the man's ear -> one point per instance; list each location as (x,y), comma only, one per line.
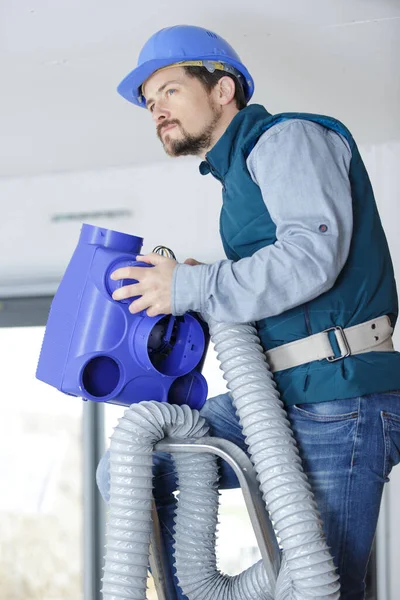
(225,90)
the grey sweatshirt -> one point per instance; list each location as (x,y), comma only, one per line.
(302,170)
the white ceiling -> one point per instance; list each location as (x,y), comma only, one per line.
(60,62)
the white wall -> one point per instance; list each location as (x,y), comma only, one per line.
(170,204)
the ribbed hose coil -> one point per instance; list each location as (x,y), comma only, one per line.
(131,482)
(307,568)
(274,453)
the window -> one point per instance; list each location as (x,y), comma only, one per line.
(40,473)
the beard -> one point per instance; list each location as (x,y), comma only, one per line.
(189,144)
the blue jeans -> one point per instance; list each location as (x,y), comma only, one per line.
(348,449)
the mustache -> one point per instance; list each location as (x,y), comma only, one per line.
(165,124)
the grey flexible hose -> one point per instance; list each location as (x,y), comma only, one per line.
(307,568)
(131,477)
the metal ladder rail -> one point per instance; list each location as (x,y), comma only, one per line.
(243,468)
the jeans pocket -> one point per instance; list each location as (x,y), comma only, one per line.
(391,434)
(334,410)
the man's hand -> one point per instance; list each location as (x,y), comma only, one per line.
(154,285)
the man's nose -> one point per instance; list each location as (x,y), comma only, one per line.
(160,113)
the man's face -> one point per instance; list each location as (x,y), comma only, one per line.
(184,113)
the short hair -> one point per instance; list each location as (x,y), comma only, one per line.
(210,80)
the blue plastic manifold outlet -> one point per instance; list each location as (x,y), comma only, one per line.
(96,349)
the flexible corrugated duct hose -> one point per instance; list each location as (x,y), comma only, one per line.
(307,569)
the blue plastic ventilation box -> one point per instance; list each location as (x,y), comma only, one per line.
(96,349)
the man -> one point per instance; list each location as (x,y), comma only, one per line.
(307,260)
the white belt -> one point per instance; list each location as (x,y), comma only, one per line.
(372,336)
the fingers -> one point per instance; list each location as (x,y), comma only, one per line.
(150,288)
(138,305)
(129,273)
(153,309)
(153,259)
(127,291)
(141,302)
(136,273)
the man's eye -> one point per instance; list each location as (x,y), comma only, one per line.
(151,108)
(171,91)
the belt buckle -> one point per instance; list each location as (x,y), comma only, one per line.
(334,358)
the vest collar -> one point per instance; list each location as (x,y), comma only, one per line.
(218,159)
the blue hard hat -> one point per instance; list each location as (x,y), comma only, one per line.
(183,44)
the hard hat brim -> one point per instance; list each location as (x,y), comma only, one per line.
(130,86)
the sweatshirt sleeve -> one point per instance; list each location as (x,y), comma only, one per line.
(302,169)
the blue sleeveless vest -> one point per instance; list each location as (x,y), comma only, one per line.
(365,288)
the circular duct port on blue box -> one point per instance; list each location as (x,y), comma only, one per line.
(100,376)
(191,389)
(173,346)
